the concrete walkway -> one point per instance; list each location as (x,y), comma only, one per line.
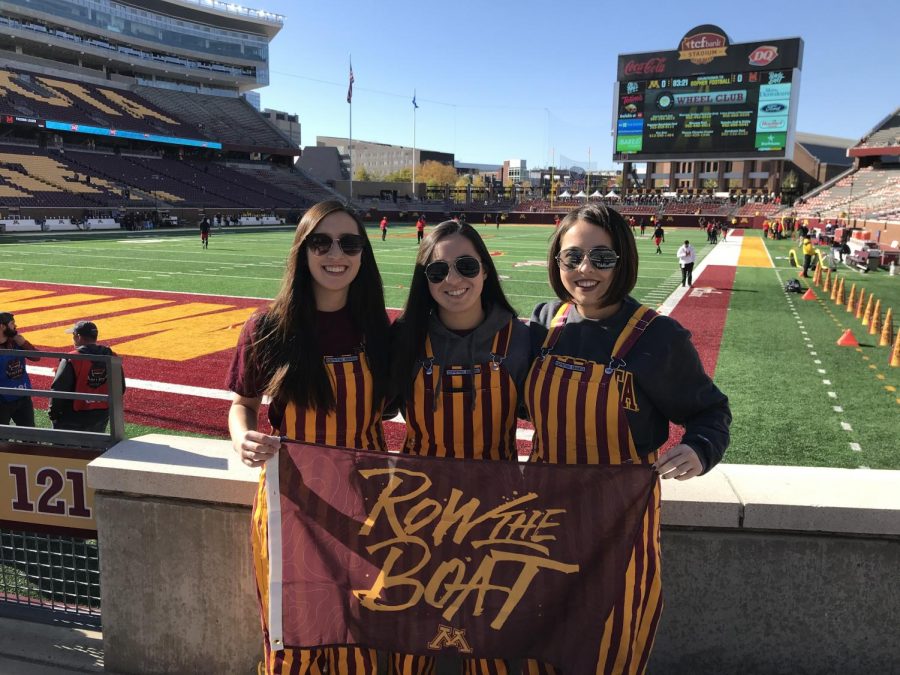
(29,648)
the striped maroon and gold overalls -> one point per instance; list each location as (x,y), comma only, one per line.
(577,409)
(353,424)
(466,412)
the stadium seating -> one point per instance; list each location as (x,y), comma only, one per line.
(886,134)
(56,98)
(867,193)
(227,120)
(296,182)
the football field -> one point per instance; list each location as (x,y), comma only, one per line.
(173,311)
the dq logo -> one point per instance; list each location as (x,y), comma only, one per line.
(763,56)
(450,637)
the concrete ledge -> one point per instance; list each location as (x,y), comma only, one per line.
(841,501)
(707,501)
(179,467)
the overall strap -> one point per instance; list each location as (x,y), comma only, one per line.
(631,333)
(556,327)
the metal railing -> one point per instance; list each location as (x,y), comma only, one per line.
(49,557)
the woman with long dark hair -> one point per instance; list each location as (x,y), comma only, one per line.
(626,372)
(459,360)
(326,328)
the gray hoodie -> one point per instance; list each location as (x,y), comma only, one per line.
(451,349)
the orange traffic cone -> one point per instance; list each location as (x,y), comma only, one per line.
(809,295)
(887,332)
(817,275)
(847,339)
(827,286)
(860,303)
(839,297)
(875,319)
(867,315)
(895,354)
(851,298)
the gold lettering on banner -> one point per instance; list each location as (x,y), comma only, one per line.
(404,505)
(448,636)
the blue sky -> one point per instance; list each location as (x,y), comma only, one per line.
(502,80)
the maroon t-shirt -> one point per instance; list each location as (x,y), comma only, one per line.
(334,330)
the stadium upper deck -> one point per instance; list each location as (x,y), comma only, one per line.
(209,46)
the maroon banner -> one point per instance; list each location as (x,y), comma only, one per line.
(422,555)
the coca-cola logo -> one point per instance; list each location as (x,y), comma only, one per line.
(703,41)
(763,56)
(656,65)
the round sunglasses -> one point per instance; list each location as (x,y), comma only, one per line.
(465,265)
(320,243)
(601,257)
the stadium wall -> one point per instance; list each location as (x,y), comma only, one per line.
(767,569)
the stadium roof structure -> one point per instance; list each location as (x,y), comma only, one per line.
(883,139)
(827,149)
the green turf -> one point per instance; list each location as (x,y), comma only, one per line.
(783,413)
(252,263)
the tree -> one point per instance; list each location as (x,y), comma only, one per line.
(361,174)
(710,184)
(435,173)
(401,176)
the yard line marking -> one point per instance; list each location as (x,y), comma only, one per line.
(856,448)
(826,381)
(817,361)
(149,385)
(813,353)
(831,394)
(838,409)
(846,427)
(821,371)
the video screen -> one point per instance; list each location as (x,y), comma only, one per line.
(741,114)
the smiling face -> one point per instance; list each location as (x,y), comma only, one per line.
(586,284)
(458,297)
(333,272)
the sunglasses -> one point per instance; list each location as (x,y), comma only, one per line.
(465,265)
(601,257)
(320,243)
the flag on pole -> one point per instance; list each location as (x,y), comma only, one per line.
(415,105)
(350,87)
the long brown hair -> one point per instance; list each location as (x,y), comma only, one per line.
(411,326)
(286,348)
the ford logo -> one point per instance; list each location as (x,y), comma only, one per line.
(773,107)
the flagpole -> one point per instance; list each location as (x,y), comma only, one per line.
(350,101)
(415,107)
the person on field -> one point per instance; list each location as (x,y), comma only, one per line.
(204,232)
(808,252)
(686,257)
(383,226)
(420,229)
(608,378)
(83,377)
(19,409)
(659,237)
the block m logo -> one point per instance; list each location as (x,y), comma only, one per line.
(450,637)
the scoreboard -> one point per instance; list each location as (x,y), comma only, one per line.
(710,99)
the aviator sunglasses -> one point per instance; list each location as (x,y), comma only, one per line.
(465,265)
(601,257)
(320,243)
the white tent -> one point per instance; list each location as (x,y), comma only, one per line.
(565,195)
(612,195)
(596,193)
(580,195)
